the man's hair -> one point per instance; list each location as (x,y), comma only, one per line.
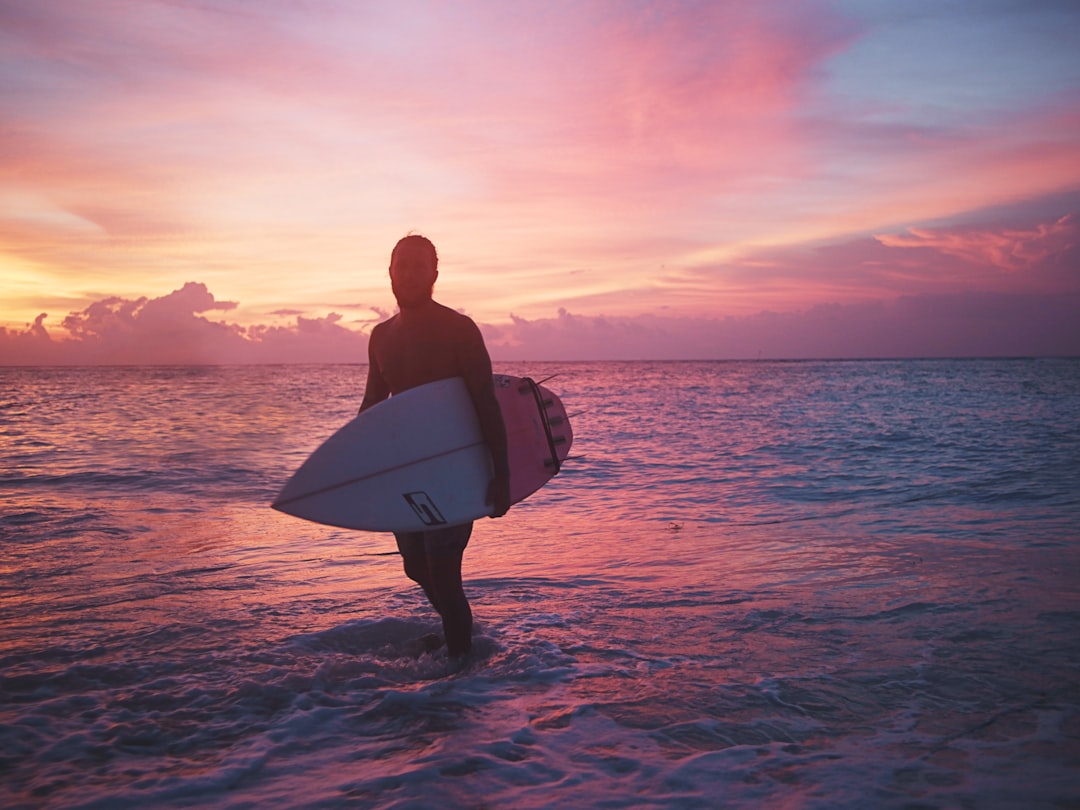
(415,241)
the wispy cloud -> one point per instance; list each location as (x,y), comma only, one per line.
(1005,249)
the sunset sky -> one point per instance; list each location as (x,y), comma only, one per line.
(216,181)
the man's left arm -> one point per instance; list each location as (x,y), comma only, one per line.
(476,365)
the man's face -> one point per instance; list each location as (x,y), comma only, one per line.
(412,278)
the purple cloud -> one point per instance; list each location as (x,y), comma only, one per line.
(172,330)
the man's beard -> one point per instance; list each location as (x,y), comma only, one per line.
(412,297)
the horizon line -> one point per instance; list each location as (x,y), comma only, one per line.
(579,361)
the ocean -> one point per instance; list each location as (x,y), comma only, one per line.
(837,584)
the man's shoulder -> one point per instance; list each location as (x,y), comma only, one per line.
(454,318)
(450,312)
(382,326)
(439,319)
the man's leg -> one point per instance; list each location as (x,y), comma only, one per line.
(445,549)
(413,549)
(444,567)
(433,560)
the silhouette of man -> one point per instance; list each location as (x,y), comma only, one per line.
(424,342)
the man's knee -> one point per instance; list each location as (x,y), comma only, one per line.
(416,568)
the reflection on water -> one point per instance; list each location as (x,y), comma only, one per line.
(814,585)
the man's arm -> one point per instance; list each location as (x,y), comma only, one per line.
(376,389)
(476,365)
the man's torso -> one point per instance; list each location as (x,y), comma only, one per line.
(415,351)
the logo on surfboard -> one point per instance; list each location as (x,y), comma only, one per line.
(425,508)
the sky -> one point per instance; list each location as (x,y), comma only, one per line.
(222,181)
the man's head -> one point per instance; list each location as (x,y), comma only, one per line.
(413,269)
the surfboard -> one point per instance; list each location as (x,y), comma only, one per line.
(418,461)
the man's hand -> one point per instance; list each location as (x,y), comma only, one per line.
(498,495)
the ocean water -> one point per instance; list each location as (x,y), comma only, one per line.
(763,584)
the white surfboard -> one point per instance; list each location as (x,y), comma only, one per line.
(418,461)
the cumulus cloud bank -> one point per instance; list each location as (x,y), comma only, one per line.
(173,329)
(950,325)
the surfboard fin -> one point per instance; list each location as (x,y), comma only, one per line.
(542,405)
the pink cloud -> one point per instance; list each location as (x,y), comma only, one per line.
(172,330)
(160,330)
(1006,248)
(653,109)
(1029,247)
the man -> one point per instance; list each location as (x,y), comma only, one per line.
(424,342)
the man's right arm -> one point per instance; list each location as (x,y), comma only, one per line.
(376,389)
